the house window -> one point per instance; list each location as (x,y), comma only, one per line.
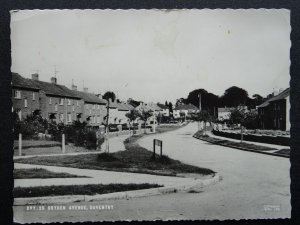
(69,101)
(73,108)
(17,94)
(33,96)
(90,111)
(61,117)
(69,118)
(56,107)
(61,101)
(50,101)
(25,103)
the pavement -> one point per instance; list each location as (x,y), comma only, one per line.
(278,147)
(251,182)
(254,186)
(96,177)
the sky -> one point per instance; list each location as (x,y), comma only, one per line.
(154,55)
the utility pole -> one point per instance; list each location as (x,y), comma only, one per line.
(200,109)
(107,129)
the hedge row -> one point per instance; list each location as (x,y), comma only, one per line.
(277,140)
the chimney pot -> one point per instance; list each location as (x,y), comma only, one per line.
(35,76)
(74,87)
(53,80)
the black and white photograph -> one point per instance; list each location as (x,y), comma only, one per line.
(144,115)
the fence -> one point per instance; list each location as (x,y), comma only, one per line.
(276,140)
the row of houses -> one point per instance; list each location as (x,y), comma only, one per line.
(58,103)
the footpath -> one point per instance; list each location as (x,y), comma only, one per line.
(266,152)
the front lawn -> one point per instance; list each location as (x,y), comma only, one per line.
(90,189)
(39,173)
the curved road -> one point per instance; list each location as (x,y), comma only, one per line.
(251,181)
(254,186)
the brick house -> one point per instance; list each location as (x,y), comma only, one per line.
(94,108)
(57,102)
(274,113)
(25,96)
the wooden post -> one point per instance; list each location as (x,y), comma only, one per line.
(20,144)
(63,144)
(241,133)
(154,148)
(160,149)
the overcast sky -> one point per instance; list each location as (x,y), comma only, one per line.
(155,55)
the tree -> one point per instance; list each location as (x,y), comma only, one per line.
(132,115)
(209,101)
(204,116)
(238,116)
(258,99)
(180,101)
(109,95)
(234,96)
(170,107)
(166,103)
(144,115)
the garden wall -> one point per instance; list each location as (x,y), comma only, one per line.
(276,140)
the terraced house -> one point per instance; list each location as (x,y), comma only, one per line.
(94,108)
(25,96)
(57,102)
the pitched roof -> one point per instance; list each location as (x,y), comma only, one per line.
(124,107)
(55,89)
(280,96)
(186,107)
(19,81)
(162,106)
(90,98)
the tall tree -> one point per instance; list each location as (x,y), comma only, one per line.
(170,107)
(109,95)
(166,103)
(234,96)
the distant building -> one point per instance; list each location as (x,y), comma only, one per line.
(275,112)
(165,109)
(224,113)
(187,109)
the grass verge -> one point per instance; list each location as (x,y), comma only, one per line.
(90,189)
(228,143)
(134,159)
(40,173)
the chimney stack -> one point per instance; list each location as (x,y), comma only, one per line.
(74,87)
(35,76)
(53,80)
(85,89)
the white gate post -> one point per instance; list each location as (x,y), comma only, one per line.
(63,144)
(20,144)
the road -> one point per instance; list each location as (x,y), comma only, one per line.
(254,186)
